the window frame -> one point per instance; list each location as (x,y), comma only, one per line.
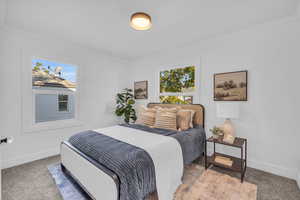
(29,125)
(64,101)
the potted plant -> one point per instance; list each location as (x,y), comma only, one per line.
(124,107)
(217,132)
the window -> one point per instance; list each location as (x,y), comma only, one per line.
(176,85)
(176,99)
(177,80)
(54,89)
(63,105)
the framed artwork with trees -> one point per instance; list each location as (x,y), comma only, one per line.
(231,86)
(141,90)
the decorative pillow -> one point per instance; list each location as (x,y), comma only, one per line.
(192,117)
(146,116)
(183,119)
(166,118)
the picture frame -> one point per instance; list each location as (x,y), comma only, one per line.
(141,90)
(231,86)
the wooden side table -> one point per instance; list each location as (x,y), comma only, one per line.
(238,165)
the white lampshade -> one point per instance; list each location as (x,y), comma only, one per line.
(228,110)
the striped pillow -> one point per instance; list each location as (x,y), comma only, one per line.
(146,116)
(166,119)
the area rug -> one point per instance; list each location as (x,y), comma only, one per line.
(212,185)
(198,184)
(66,185)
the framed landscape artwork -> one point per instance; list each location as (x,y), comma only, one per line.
(141,90)
(231,86)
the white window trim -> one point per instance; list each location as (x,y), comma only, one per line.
(28,99)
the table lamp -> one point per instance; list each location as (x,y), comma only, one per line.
(228,110)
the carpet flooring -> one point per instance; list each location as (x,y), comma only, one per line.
(32,181)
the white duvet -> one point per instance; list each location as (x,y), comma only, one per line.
(165,152)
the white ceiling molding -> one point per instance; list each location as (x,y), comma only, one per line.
(104,25)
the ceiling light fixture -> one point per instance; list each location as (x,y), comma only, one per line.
(140,21)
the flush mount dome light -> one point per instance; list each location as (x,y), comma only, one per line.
(140,21)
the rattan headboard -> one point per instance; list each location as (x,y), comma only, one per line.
(198,108)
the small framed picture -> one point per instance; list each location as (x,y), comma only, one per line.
(231,86)
(141,90)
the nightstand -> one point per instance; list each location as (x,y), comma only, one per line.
(238,164)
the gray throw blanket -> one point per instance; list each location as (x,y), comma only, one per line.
(133,166)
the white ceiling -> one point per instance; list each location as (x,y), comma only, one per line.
(104,24)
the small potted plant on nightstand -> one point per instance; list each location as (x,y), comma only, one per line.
(217,132)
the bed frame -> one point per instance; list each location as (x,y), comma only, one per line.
(98,181)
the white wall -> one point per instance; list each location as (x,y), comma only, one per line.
(3,9)
(270,117)
(98,83)
(298,178)
(298,175)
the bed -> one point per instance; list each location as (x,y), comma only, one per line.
(133,159)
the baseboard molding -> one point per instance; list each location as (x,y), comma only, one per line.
(274,169)
(267,167)
(29,158)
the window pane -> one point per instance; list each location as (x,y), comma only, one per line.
(62,106)
(52,75)
(176,99)
(47,108)
(178,80)
(62,97)
(54,86)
